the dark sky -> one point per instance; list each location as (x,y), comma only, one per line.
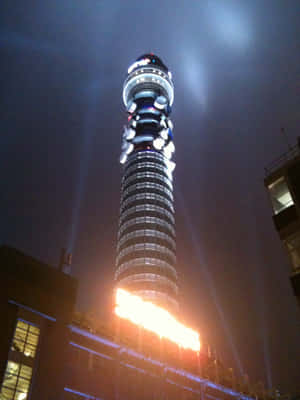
(236,70)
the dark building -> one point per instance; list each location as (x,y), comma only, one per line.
(37,304)
(146,239)
(49,352)
(283,184)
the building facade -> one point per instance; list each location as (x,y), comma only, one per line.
(146,239)
(48,353)
(37,304)
(283,184)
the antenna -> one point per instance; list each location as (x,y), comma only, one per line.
(65,261)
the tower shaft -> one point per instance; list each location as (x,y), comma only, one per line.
(146,248)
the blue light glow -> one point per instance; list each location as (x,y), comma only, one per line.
(32,310)
(91,351)
(92,336)
(183,387)
(86,396)
(140,356)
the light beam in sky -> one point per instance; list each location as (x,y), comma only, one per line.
(194,76)
(230,24)
(208,279)
(89,130)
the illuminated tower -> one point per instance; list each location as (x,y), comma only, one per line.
(146,239)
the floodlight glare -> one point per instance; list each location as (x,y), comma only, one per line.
(155,319)
(129,133)
(123,158)
(170,124)
(158,143)
(131,107)
(129,148)
(164,134)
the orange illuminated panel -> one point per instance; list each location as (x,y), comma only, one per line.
(155,319)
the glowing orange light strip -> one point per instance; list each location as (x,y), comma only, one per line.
(155,319)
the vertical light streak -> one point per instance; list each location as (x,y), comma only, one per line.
(209,279)
(89,130)
(259,294)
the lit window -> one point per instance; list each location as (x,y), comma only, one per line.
(16,381)
(280,195)
(293,247)
(25,339)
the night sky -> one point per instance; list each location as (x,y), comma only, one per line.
(236,71)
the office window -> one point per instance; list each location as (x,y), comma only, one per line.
(280,195)
(293,247)
(26,338)
(16,381)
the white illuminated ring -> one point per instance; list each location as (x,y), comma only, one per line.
(158,143)
(151,78)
